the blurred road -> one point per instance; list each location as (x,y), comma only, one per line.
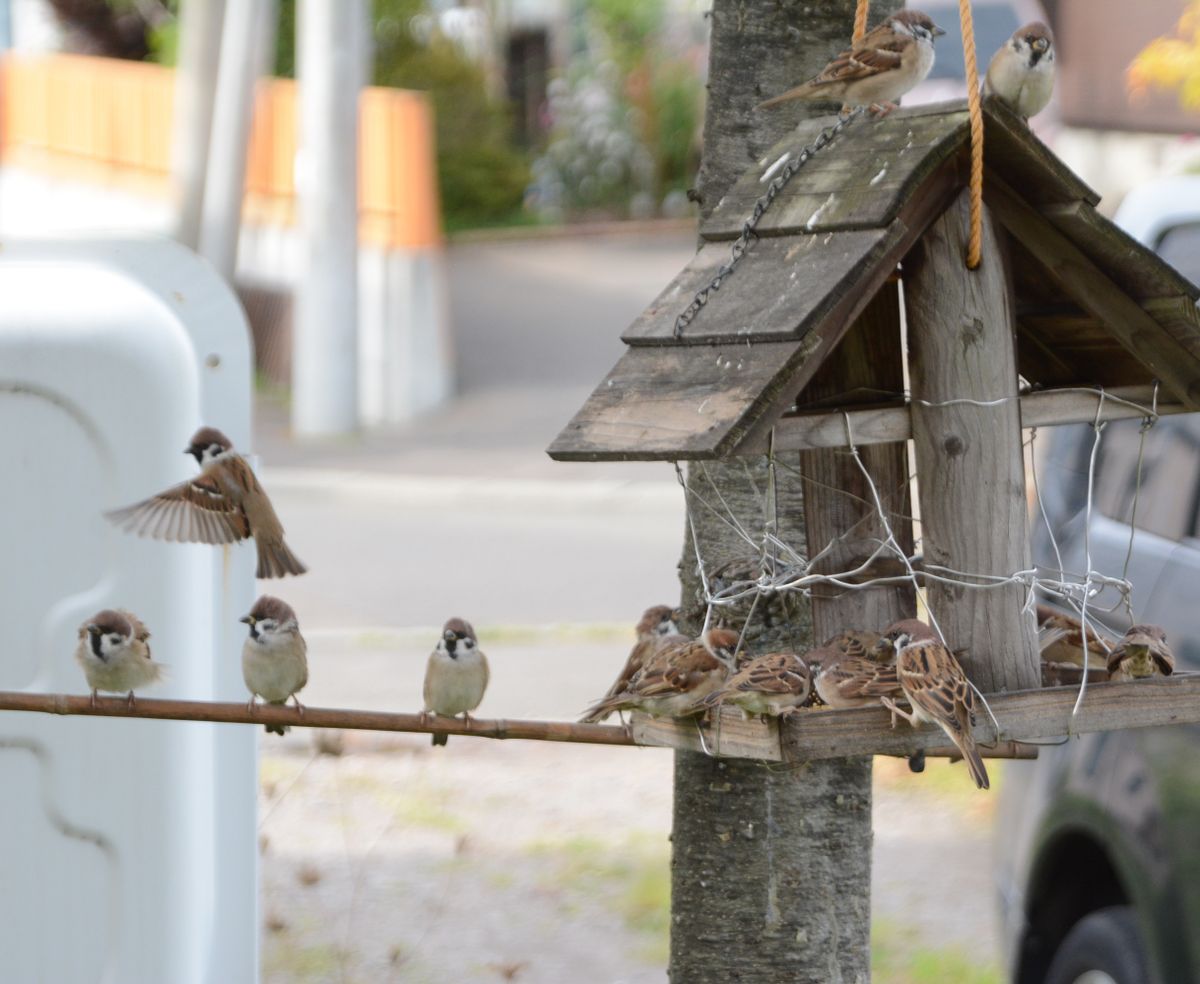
(462,512)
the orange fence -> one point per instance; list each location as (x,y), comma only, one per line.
(109,121)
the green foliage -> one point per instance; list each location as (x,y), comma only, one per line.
(626,116)
(895,960)
(482,174)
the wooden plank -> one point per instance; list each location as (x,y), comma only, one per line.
(841,523)
(780,289)
(1015,152)
(969,456)
(1180,317)
(916,216)
(883,425)
(1096,293)
(728,736)
(1138,269)
(732,737)
(1028,715)
(860,181)
(676,401)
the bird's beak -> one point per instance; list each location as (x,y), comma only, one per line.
(93,629)
(937,31)
(1041,44)
(248,619)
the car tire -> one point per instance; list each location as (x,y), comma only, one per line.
(1104,947)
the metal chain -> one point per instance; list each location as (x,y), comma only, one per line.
(748,235)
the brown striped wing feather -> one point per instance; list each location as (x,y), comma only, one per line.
(195,511)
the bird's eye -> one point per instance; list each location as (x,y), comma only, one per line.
(114,638)
(267,624)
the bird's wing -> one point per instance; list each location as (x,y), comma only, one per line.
(676,675)
(775,673)
(934,682)
(858,677)
(876,53)
(195,511)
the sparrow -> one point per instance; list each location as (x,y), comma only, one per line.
(770,685)
(1142,652)
(223,504)
(657,624)
(678,676)
(456,675)
(888,62)
(274,656)
(939,692)
(1021,73)
(853,670)
(1060,640)
(115,655)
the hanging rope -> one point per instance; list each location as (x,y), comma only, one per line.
(860,19)
(975,240)
(974,109)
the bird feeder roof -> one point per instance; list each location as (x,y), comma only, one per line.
(1093,306)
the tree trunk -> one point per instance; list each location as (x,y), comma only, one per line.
(770,871)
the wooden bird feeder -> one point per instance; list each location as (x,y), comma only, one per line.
(800,351)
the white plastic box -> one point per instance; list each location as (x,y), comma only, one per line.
(127,847)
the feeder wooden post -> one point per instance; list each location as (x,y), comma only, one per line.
(970,466)
(770,868)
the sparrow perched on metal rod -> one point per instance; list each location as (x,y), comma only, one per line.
(937,688)
(456,675)
(678,676)
(656,625)
(888,62)
(767,686)
(115,655)
(223,504)
(274,656)
(1021,73)
(1142,652)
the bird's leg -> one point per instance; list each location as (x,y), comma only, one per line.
(299,706)
(891,706)
(251,707)
(881,109)
(129,700)
(93,699)
(467,717)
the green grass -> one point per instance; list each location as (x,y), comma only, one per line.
(895,961)
(632,877)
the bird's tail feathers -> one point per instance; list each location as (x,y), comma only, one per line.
(966,744)
(276,729)
(804,91)
(440,739)
(276,560)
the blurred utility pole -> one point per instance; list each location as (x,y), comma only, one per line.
(332,51)
(247,42)
(200,23)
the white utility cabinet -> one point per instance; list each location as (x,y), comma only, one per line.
(128,848)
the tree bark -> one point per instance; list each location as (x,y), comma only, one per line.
(770,872)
